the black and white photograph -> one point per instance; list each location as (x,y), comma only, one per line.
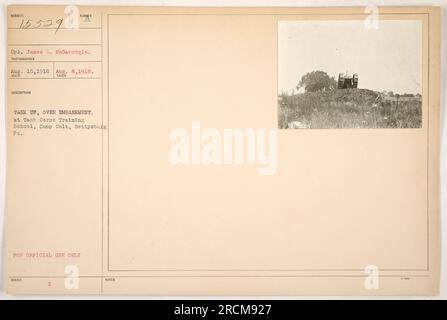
(348,74)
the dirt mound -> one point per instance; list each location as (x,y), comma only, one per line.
(354,96)
(347,108)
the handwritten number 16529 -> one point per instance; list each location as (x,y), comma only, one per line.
(42,24)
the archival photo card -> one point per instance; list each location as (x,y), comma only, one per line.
(348,74)
(144,156)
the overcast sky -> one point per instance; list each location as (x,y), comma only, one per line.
(388,58)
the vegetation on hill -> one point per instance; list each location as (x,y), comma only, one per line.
(349,108)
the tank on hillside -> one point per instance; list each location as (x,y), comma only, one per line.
(346,81)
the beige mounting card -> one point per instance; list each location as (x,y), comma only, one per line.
(223,151)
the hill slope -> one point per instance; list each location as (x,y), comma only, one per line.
(348,108)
